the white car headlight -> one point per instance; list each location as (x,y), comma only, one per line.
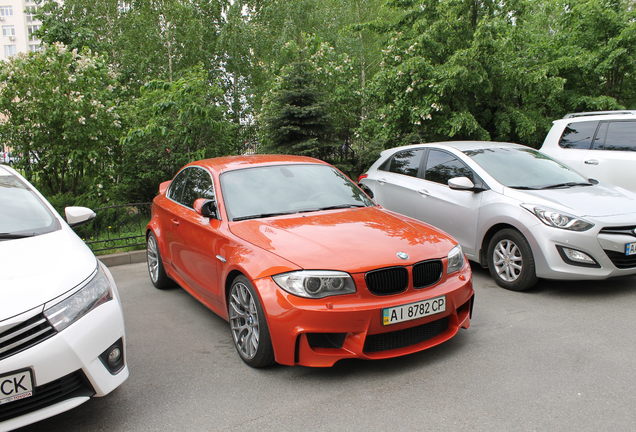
(69,310)
(557,218)
(315,283)
(455,260)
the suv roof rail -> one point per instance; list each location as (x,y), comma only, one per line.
(593,113)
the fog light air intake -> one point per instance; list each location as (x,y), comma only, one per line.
(113,357)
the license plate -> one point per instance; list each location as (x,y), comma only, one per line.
(17,385)
(630,249)
(413,311)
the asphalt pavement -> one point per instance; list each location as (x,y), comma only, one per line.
(561,357)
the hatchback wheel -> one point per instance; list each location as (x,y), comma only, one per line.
(158,275)
(510,261)
(248,325)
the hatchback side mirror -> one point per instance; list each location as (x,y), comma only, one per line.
(461,183)
(205,207)
(78,215)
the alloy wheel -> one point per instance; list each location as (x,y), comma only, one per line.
(507,260)
(244,321)
(153,258)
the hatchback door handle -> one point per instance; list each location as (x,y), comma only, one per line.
(591,162)
(175,221)
(423,192)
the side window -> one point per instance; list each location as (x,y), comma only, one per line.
(176,186)
(406,162)
(442,166)
(198,185)
(578,135)
(618,135)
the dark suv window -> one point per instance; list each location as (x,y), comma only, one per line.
(405,162)
(578,135)
(442,166)
(616,135)
(191,184)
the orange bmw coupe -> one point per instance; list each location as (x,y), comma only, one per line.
(304,266)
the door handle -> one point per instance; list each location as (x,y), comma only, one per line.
(381,181)
(591,162)
(423,192)
(175,221)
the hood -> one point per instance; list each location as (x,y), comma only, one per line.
(594,201)
(35,270)
(351,240)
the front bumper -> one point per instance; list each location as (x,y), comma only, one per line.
(74,354)
(319,332)
(602,247)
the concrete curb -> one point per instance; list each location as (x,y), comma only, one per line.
(123,258)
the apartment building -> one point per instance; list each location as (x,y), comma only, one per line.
(18,24)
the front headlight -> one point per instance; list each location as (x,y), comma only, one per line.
(315,283)
(455,260)
(69,310)
(557,218)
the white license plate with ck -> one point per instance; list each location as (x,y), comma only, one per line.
(413,311)
(630,249)
(17,385)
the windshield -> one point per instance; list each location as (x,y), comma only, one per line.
(525,168)
(285,189)
(22,213)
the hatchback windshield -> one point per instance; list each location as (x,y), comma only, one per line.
(22,213)
(522,168)
(285,189)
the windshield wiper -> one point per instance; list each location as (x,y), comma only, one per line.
(524,187)
(564,185)
(11,236)
(340,206)
(261,215)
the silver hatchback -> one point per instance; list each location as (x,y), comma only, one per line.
(513,209)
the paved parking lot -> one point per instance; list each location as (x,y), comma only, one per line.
(562,357)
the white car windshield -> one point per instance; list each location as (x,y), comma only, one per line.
(22,213)
(265,191)
(522,168)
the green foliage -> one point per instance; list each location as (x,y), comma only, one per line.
(171,123)
(61,116)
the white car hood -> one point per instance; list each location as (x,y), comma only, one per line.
(35,270)
(593,201)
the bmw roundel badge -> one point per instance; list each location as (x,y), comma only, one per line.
(402,255)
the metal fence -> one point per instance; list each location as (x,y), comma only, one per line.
(116,228)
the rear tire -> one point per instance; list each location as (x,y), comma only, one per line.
(510,261)
(157,273)
(248,325)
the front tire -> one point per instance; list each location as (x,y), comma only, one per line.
(157,273)
(248,325)
(510,261)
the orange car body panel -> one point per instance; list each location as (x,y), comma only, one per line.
(203,255)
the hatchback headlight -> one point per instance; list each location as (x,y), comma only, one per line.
(558,219)
(69,310)
(315,283)
(455,260)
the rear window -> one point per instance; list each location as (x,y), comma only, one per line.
(578,135)
(616,135)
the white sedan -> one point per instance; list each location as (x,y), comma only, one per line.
(61,324)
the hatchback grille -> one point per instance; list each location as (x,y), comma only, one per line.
(620,260)
(25,335)
(621,230)
(70,386)
(387,281)
(407,337)
(426,273)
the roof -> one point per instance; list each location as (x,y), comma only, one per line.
(462,145)
(228,163)
(597,116)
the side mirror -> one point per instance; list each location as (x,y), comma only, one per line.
(78,215)
(163,187)
(205,207)
(461,183)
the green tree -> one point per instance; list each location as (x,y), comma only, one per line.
(295,119)
(60,115)
(172,123)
